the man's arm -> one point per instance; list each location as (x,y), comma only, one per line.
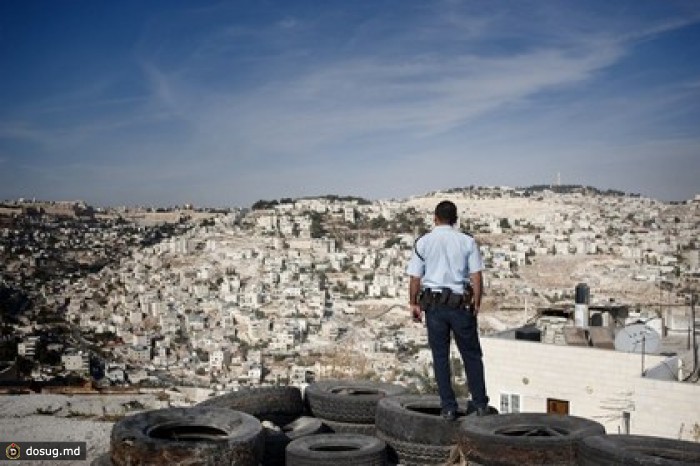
(413,290)
(476,283)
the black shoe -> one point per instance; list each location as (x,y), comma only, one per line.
(449,415)
(483,411)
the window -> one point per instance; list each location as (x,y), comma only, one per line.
(555,406)
(510,403)
(515,403)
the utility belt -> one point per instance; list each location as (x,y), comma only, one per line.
(445,297)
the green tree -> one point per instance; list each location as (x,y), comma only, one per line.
(317,229)
(263,204)
(378,223)
(392,241)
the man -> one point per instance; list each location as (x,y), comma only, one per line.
(446,283)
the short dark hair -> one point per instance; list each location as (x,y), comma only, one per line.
(446,211)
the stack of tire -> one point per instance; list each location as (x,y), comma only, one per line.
(266,426)
(372,424)
(281,411)
(348,406)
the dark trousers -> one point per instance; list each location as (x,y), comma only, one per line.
(441,321)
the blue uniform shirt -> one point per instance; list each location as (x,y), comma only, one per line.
(444,259)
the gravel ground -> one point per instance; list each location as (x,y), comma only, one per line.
(39,428)
(66,418)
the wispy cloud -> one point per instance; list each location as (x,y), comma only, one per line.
(358,98)
(650,31)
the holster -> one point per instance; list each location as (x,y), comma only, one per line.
(445,298)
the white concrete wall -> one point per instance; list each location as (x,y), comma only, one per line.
(599,385)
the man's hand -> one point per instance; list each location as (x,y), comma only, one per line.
(476,282)
(416,312)
(473,307)
(413,292)
(474,310)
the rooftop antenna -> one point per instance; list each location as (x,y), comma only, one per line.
(638,338)
(693,299)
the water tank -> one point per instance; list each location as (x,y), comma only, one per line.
(583,294)
(581,315)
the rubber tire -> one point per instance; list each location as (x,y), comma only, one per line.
(415,454)
(348,428)
(276,441)
(415,432)
(279,405)
(327,401)
(133,440)
(637,450)
(400,418)
(482,439)
(336,450)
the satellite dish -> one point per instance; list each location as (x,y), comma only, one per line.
(636,338)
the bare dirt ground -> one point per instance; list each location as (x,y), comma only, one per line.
(604,275)
(514,208)
(66,418)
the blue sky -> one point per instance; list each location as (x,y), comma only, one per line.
(223,103)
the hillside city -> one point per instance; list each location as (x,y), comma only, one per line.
(293,290)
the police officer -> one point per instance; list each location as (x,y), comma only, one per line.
(446,283)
